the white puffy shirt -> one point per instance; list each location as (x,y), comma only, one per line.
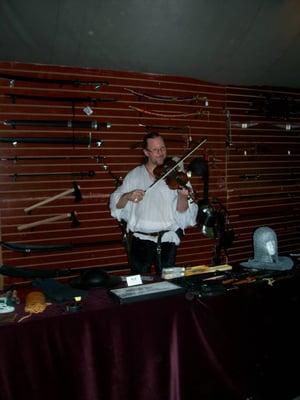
(156,212)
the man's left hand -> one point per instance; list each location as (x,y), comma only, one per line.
(183,192)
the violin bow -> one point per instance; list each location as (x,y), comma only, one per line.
(183,158)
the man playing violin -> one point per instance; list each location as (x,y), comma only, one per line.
(156,216)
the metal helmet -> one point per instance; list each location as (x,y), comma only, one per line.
(265,247)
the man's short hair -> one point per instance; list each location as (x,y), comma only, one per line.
(150,135)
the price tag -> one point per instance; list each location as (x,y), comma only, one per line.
(134,280)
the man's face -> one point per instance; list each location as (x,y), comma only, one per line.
(156,151)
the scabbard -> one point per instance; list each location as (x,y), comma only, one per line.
(52,140)
(165,127)
(250,176)
(90,173)
(228,129)
(58,123)
(265,196)
(31,248)
(12,78)
(91,100)
(32,273)
(28,248)
(37,158)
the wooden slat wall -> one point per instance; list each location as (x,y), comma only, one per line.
(264,165)
(226,162)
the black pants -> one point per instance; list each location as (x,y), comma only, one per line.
(144,255)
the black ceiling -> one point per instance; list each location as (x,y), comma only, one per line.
(250,42)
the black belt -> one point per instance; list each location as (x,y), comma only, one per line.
(154,234)
(179,232)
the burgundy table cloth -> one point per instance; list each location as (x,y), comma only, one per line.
(240,345)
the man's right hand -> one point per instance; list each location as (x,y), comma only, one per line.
(135,196)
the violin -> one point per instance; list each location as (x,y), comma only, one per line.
(176,179)
(177,176)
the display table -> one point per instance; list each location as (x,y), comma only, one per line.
(239,345)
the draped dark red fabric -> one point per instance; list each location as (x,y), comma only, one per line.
(175,348)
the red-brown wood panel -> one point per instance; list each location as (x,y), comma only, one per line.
(264,165)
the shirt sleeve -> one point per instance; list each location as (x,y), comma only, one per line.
(127,185)
(188,217)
